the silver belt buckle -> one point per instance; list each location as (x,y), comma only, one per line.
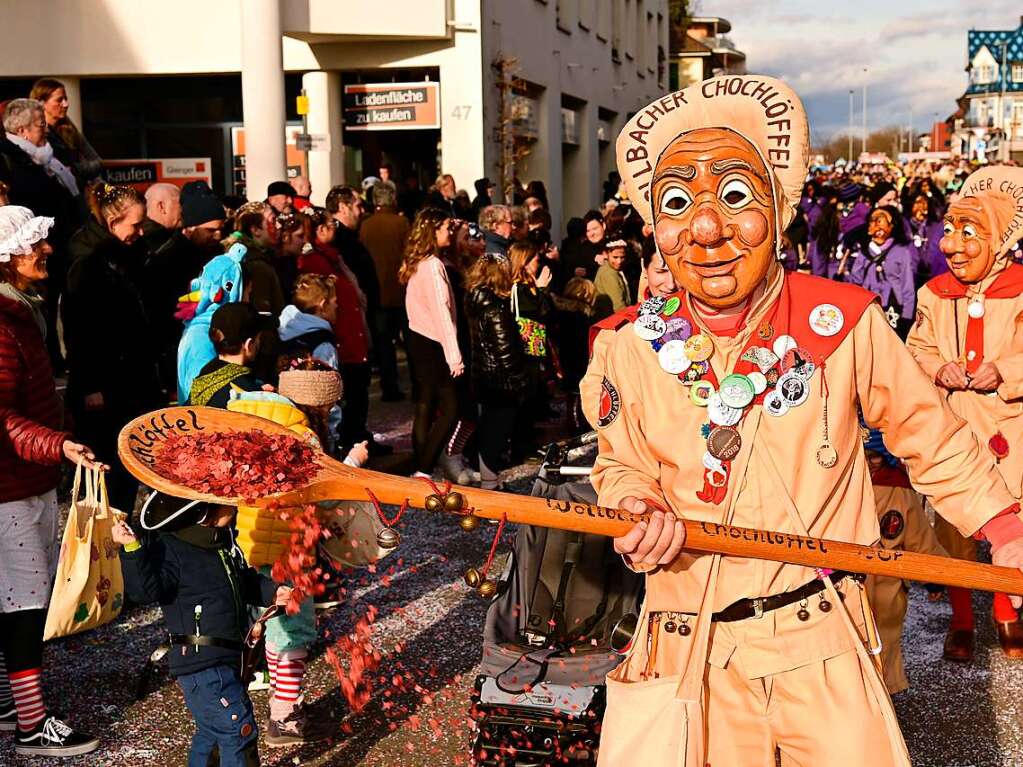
(758,607)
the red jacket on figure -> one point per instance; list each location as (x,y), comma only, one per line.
(31,439)
(350,327)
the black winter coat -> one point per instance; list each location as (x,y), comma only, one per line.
(498,359)
(110,346)
(197,569)
(359,260)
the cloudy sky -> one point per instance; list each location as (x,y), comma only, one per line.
(915,51)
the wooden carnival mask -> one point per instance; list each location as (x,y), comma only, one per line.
(714,215)
(985,223)
(717,169)
(967,243)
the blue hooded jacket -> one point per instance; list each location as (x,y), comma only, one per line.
(220,283)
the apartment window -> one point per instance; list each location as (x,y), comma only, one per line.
(1017,72)
(604,20)
(984,74)
(617,29)
(632,27)
(660,50)
(587,13)
(567,15)
(641,39)
(1017,119)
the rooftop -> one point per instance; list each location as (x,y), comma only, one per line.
(993,40)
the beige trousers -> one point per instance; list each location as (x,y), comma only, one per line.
(823,714)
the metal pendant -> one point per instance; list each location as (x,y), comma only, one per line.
(670,626)
(827,456)
(825,606)
(684,629)
(388,538)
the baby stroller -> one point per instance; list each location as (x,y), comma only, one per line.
(565,603)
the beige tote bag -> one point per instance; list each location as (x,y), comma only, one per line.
(89,589)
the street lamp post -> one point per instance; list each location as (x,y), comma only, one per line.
(850,123)
(864,110)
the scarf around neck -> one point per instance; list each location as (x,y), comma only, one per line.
(43,155)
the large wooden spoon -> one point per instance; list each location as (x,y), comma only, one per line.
(140,443)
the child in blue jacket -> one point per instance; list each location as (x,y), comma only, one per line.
(204,586)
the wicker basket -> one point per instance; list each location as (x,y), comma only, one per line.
(317,388)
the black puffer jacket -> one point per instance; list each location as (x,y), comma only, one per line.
(197,572)
(498,359)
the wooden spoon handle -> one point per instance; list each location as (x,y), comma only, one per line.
(344,482)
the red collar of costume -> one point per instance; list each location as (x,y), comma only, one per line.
(800,294)
(1008,284)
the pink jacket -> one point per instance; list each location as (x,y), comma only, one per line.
(430,306)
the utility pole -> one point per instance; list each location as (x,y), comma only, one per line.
(1003,147)
(864,110)
(849,158)
(911,130)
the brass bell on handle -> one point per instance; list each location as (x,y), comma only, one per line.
(454,502)
(487,589)
(473,579)
(388,538)
(468,522)
(434,503)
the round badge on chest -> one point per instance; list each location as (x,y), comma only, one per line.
(775,405)
(652,305)
(826,320)
(737,391)
(649,327)
(699,347)
(700,393)
(672,357)
(782,344)
(975,309)
(671,306)
(677,329)
(793,389)
(721,414)
(724,442)
(799,362)
(759,381)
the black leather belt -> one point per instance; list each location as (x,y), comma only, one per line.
(755,608)
(206,641)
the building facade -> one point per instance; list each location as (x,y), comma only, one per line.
(474,88)
(990,122)
(703,51)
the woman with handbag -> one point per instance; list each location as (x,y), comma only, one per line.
(32,447)
(533,309)
(435,358)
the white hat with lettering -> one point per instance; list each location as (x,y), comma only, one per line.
(999,189)
(763,110)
